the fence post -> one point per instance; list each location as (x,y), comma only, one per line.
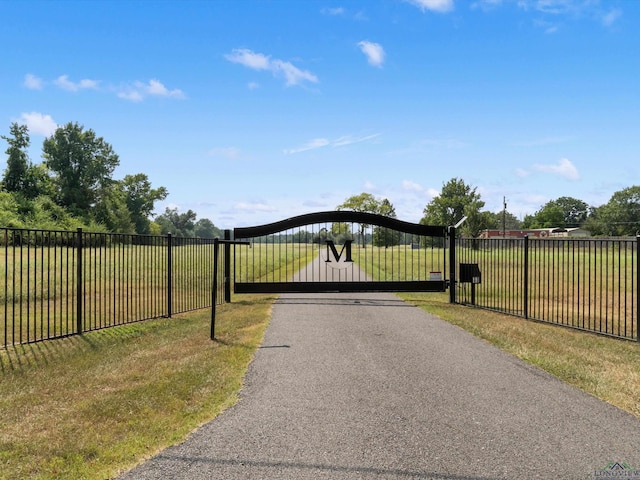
(525,283)
(452,264)
(227,267)
(169,277)
(79,289)
(214,289)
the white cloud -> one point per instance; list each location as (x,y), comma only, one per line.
(292,74)
(563,168)
(412,186)
(33,82)
(254,207)
(432,192)
(86,84)
(333,11)
(373,51)
(279,68)
(350,140)
(253,85)
(310,145)
(440,6)
(325,142)
(230,153)
(138,91)
(522,173)
(243,56)
(38,123)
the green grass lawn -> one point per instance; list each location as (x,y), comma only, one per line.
(95,405)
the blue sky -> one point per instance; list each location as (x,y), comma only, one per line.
(249,112)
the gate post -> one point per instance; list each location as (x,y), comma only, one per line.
(169,276)
(525,283)
(227,267)
(452,264)
(637,283)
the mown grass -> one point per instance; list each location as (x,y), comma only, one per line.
(272,262)
(604,367)
(400,262)
(91,406)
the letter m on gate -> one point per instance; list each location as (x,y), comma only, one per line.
(331,249)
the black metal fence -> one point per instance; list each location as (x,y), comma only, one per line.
(59,283)
(588,284)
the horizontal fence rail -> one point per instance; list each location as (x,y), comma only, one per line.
(588,284)
(58,283)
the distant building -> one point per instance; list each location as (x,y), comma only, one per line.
(536,233)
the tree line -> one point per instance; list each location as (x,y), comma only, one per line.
(73,186)
(620,216)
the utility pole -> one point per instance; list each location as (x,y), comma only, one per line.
(504,217)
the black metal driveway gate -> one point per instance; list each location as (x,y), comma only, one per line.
(343,251)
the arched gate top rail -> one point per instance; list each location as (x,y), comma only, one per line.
(340,216)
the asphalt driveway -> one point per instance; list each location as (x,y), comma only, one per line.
(365,386)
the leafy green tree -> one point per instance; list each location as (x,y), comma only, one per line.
(367,203)
(620,216)
(456,200)
(18,159)
(140,199)
(112,212)
(574,211)
(561,213)
(37,182)
(9,211)
(178,224)
(204,228)
(496,220)
(384,237)
(47,215)
(82,164)
(340,232)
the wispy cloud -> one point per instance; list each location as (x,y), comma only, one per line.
(138,91)
(542,142)
(32,82)
(553,10)
(373,51)
(325,142)
(135,92)
(229,153)
(86,84)
(254,207)
(38,123)
(333,11)
(563,168)
(279,68)
(571,8)
(412,186)
(440,6)
(310,145)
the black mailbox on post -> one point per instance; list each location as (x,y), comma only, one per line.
(470,273)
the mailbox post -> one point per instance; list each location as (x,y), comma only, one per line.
(470,273)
